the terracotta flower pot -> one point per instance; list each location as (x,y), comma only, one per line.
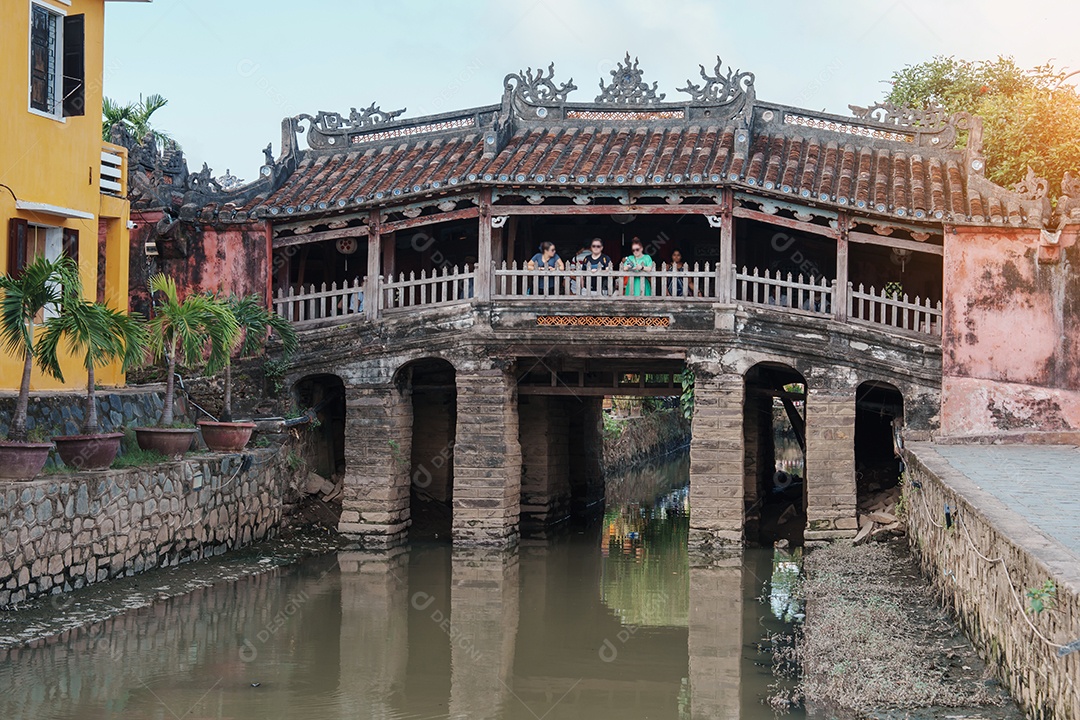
(22,461)
(170,442)
(226,437)
(88,452)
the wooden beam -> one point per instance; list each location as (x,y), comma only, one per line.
(708,209)
(840,295)
(484,263)
(314,237)
(373,288)
(727,248)
(789,223)
(870,239)
(463,214)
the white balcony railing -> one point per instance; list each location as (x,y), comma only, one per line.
(880,308)
(691,284)
(446,286)
(312,303)
(813,295)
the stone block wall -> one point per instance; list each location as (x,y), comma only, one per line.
(67,531)
(545,460)
(716,460)
(58,413)
(1046,684)
(830,454)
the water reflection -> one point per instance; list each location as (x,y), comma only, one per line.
(615,621)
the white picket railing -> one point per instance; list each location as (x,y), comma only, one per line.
(813,295)
(691,284)
(446,286)
(878,307)
(319,303)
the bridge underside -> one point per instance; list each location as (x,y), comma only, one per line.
(480,422)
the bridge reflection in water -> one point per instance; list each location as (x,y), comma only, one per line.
(612,621)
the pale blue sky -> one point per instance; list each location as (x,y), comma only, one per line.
(232,69)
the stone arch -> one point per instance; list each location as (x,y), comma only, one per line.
(774,445)
(428,386)
(322,397)
(879,417)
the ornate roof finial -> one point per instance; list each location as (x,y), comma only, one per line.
(719,89)
(1032,187)
(887,113)
(627,86)
(536,88)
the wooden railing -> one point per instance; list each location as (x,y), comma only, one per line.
(813,295)
(447,286)
(320,303)
(882,308)
(691,284)
(696,284)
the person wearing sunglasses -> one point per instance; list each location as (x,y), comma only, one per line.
(638,263)
(546,259)
(595,260)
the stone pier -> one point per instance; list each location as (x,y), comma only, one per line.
(716,638)
(487,456)
(545,458)
(830,454)
(716,460)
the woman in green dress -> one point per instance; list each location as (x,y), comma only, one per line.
(637,262)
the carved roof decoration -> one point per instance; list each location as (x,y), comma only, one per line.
(885,163)
(627,86)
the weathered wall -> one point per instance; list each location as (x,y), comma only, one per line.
(201,257)
(63,413)
(1011,341)
(71,530)
(1046,685)
(545,460)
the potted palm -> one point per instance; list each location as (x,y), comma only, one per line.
(99,335)
(43,285)
(255,323)
(200,330)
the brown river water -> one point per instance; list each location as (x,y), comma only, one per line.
(609,619)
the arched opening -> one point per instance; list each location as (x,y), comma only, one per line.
(323,398)
(879,415)
(431,383)
(774,435)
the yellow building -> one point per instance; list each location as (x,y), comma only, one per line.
(62,190)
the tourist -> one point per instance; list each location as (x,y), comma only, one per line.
(596,259)
(637,262)
(678,286)
(546,260)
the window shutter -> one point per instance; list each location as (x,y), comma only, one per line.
(74,68)
(18,230)
(70,248)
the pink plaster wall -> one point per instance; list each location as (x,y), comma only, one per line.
(1011,341)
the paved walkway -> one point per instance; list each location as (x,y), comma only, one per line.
(1038,482)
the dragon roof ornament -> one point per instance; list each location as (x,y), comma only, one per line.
(720,89)
(324,126)
(627,86)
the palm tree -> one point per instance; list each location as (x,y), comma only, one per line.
(135,117)
(40,285)
(255,322)
(100,335)
(181,331)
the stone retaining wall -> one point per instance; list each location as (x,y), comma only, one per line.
(1045,684)
(66,531)
(61,413)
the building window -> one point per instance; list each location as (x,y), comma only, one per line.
(44,59)
(57,63)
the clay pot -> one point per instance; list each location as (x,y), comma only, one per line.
(170,442)
(22,461)
(88,452)
(226,436)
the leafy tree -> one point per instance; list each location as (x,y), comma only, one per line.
(198,330)
(100,335)
(42,284)
(1031,118)
(255,322)
(135,117)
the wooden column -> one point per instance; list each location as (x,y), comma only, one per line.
(483,250)
(388,263)
(840,297)
(373,291)
(727,248)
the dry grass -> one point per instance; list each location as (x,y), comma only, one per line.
(875,637)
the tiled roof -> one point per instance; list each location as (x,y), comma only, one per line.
(881,163)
